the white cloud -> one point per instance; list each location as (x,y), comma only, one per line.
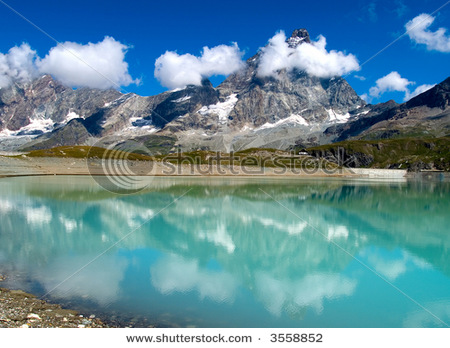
(389,83)
(96,65)
(417,30)
(176,274)
(393,82)
(17,65)
(94,283)
(359,77)
(393,266)
(420,89)
(440,309)
(366,98)
(310,57)
(310,291)
(177,71)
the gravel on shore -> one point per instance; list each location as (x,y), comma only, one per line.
(19,309)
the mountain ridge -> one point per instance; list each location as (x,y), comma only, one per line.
(291,108)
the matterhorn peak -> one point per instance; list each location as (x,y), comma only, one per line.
(298,37)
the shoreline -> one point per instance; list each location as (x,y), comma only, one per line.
(25,309)
(47,166)
(19,309)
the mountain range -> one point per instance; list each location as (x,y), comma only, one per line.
(293,108)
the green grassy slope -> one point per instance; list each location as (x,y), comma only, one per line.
(407,153)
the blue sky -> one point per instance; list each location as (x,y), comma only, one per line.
(150,28)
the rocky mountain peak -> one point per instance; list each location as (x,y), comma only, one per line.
(298,37)
(436,97)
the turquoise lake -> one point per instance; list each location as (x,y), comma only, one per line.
(218,252)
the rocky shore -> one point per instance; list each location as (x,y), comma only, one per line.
(19,309)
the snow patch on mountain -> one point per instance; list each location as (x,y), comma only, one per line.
(183,99)
(221,109)
(246,128)
(338,118)
(36,127)
(122,99)
(292,119)
(294,41)
(71,115)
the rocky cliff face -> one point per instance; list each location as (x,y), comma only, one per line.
(44,105)
(46,100)
(246,110)
(427,114)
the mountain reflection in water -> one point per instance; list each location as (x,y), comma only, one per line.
(233,252)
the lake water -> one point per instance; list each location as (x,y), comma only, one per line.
(233,252)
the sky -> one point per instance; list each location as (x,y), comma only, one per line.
(148,47)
